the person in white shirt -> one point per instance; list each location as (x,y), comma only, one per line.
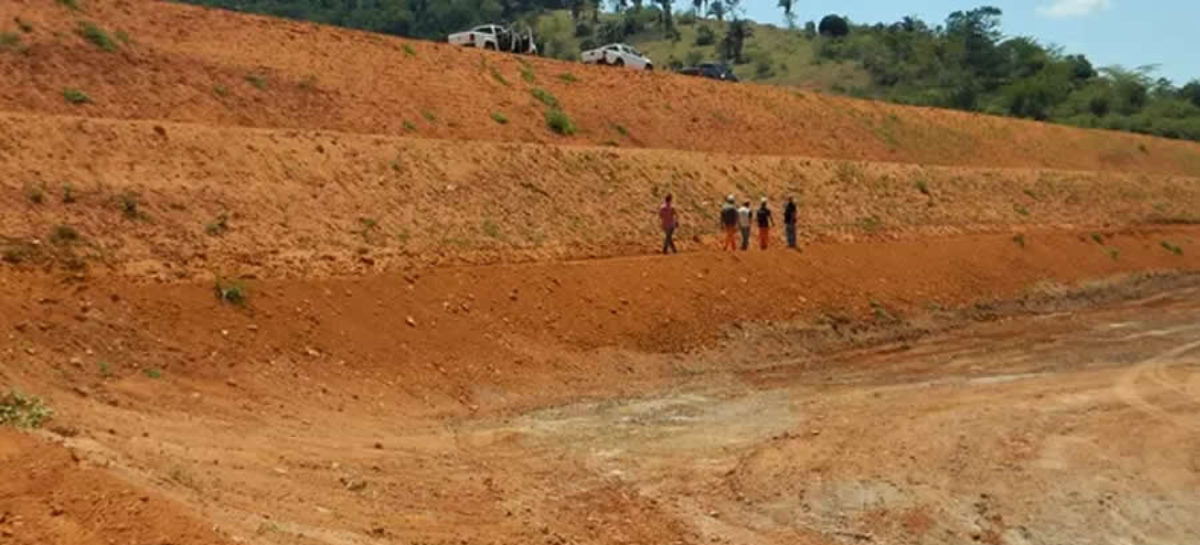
(744,215)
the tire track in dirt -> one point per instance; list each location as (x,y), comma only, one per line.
(1155,370)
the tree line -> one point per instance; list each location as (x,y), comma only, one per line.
(968,64)
(965,63)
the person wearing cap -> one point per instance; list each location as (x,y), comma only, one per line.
(789,222)
(765,221)
(670,221)
(729,220)
(745,214)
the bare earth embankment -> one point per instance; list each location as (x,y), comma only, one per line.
(440,329)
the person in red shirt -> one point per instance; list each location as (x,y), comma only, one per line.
(670,221)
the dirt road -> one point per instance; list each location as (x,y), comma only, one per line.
(1069,427)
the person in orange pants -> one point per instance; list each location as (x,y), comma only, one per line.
(765,221)
(729,220)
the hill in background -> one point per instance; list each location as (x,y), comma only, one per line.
(965,63)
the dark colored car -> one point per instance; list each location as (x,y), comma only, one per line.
(710,70)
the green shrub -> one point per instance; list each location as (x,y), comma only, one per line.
(545,97)
(429,116)
(233,293)
(98,36)
(923,187)
(705,36)
(526,71)
(257,80)
(496,75)
(567,77)
(221,90)
(63,234)
(68,195)
(499,118)
(75,96)
(73,5)
(409,126)
(408,50)
(558,122)
(1173,248)
(35,194)
(10,40)
(152,372)
(22,411)
(130,205)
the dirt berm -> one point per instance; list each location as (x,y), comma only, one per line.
(183,63)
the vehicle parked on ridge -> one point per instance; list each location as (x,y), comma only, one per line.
(511,39)
(617,55)
(711,70)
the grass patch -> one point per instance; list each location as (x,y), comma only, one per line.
(218,226)
(1098,238)
(22,411)
(1021,210)
(1173,248)
(496,75)
(233,293)
(97,36)
(409,126)
(545,97)
(68,194)
(567,77)
(75,96)
(220,90)
(308,83)
(72,5)
(408,50)
(35,194)
(10,40)
(559,122)
(923,187)
(527,72)
(499,118)
(870,224)
(847,172)
(63,234)
(1030,193)
(1019,240)
(152,372)
(1113,253)
(105,369)
(429,116)
(490,229)
(259,81)
(621,130)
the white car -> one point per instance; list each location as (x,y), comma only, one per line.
(618,55)
(518,39)
(482,36)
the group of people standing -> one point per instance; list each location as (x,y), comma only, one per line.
(733,221)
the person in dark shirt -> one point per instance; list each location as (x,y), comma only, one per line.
(765,221)
(670,221)
(789,222)
(729,223)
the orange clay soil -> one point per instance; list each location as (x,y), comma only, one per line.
(177,201)
(192,64)
(424,288)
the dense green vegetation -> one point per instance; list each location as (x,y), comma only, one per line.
(965,63)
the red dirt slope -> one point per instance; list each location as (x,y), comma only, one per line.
(191,64)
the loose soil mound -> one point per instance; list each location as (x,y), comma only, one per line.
(191,64)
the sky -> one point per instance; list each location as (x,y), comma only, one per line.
(1125,32)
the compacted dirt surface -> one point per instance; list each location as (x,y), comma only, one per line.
(281,283)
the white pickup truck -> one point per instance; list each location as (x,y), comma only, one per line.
(496,38)
(617,55)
